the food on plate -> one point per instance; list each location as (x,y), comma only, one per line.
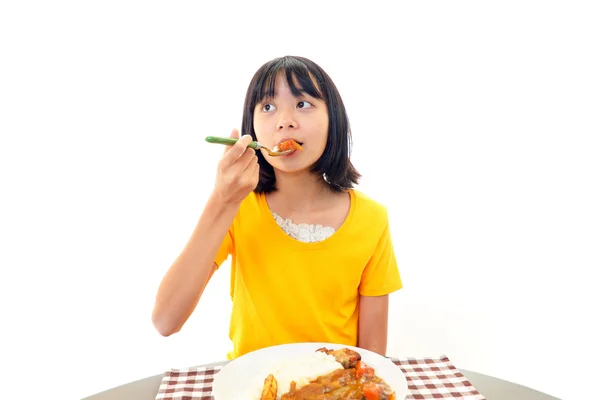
(290,144)
(348,358)
(342,375)
(299,370)
(269,391)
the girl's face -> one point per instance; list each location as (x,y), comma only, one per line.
(286,116)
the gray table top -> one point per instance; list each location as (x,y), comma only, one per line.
(490,387)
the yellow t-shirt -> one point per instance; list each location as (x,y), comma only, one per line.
(287,291)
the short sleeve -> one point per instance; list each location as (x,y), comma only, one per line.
(225,249)
(381,275)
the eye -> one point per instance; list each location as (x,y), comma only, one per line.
(304,104)
(268,107)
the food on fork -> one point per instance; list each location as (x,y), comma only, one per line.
(290,144)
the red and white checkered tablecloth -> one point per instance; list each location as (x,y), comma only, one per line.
(428,378)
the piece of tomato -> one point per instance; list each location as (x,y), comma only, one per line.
(371,391)
(289,145)
(363,369)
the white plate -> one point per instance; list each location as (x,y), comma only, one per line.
(241,376)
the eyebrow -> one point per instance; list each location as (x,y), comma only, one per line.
(300,84)
(301,93)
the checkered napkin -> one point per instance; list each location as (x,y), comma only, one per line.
(428,378)
(435,378)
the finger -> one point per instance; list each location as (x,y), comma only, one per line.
(246,160)
(237,167)
(244,141)
(250,174)
(251,162)
(256,171)
(238,150)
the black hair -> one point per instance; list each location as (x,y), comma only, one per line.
(334,164)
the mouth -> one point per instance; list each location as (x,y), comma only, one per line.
(289,144)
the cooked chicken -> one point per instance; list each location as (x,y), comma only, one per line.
(350,384)
(348,358)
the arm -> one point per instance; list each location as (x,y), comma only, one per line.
(373,323)
(184,282)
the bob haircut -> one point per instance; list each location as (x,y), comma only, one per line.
(334,165)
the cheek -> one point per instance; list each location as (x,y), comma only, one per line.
(324,129)
(258,128)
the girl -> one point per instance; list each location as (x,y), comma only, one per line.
(312,258)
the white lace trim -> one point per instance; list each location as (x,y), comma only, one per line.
(307,233)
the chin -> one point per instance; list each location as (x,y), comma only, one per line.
(292,167)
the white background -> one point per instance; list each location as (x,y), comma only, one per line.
(476,124)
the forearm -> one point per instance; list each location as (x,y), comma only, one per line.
(374,343)
(373,324)
(184,282)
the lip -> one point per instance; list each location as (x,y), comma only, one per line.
(294,151)
(290,138)
(292,154)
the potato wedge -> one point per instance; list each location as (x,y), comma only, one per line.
(269,391)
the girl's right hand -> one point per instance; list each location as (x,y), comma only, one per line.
(237,172)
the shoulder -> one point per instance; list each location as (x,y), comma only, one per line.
(369,216)
(252,201)
(370,207)
(250,208)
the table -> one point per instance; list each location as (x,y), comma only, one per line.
(492,388)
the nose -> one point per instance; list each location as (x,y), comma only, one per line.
(286,120)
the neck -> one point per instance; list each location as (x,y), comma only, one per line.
(301,191)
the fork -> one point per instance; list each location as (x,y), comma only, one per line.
(255,145)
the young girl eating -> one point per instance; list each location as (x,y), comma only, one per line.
(312,258)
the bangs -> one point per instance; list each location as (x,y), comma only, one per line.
(304,76)
(297,75)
